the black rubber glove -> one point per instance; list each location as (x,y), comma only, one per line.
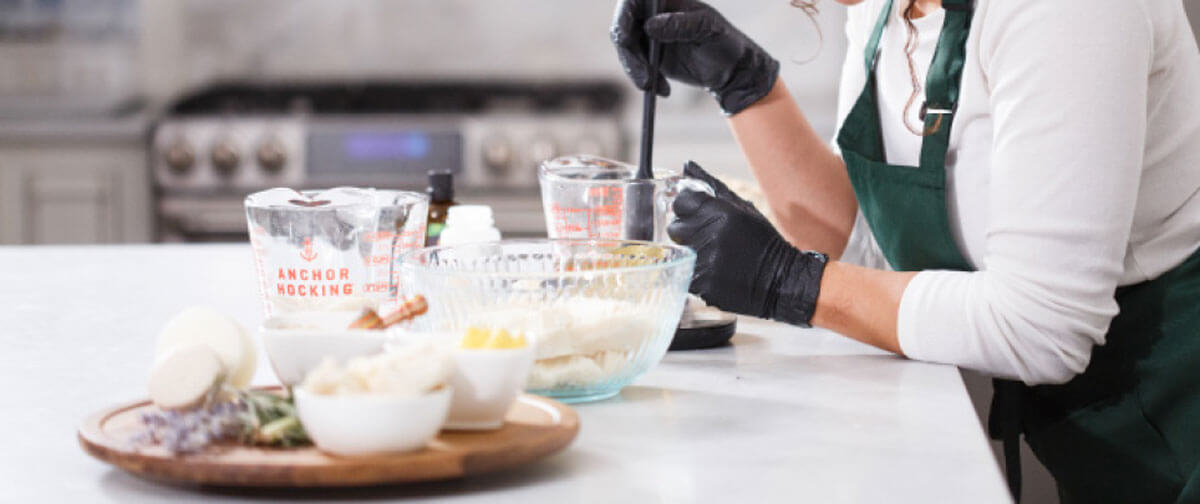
(699,47)
(693,170)
(743,265)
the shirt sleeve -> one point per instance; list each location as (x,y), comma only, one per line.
(1068,86)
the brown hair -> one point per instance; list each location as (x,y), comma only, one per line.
(809,7)
(910,46)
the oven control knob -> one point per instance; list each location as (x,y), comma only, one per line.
(224,158)
(179,157)
(497,155)
(541,149)
(271,156)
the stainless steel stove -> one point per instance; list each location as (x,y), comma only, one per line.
(213,147)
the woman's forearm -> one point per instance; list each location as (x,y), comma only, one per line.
(804,182)
(809,192)
(862,303)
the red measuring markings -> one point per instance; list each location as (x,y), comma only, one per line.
(401,240)
(376,236)
(563,222)
(612,195)
(601,221)
(381,286)
(410,239)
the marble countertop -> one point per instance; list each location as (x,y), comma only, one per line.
(782,415)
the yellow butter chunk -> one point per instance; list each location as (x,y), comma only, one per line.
(479,338)
(503,339)
(476,337)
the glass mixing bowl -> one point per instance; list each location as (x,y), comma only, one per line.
(602,313)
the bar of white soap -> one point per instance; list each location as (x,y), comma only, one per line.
(184,376)
(228,339)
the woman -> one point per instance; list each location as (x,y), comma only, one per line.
(1023,175)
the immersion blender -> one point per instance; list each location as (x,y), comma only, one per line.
(639,207)
(692,333)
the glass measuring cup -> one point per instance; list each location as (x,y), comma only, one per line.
(335,249)
(584,197)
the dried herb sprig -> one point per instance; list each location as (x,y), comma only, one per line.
(249,417)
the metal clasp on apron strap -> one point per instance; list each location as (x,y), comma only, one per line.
(937,110)
(940,111)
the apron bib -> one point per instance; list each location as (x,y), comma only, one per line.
(1128,428)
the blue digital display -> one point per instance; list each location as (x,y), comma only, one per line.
(391,151)
(377,146)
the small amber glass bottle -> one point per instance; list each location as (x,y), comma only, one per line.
(441,198)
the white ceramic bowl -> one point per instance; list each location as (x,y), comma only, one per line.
(296,343)
(362,424)
(486,383)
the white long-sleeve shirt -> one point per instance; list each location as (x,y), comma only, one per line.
(1074,167)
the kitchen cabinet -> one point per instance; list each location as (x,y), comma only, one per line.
(62,188)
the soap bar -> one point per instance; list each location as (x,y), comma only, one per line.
(221,333)
(185,376)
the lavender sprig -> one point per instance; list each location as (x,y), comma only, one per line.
(191,431)
(250,417)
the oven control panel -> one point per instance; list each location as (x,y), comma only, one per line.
(212,154)
(198,154)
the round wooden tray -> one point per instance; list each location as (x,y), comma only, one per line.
(534,428)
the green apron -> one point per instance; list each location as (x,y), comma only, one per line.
(1128,428)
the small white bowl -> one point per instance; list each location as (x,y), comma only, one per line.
(372,423)
(297,342)
(486,382)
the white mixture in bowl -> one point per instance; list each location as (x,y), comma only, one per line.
(409,371)
(580,341)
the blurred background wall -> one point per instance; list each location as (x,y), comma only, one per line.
(189,43)
(86,81)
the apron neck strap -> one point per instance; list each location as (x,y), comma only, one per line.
(872,48)
(942,82)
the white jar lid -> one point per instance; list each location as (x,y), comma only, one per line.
(470,215)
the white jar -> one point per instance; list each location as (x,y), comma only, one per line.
(469,224)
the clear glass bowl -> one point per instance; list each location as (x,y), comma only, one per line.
(602,313)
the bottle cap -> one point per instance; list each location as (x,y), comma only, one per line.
(441,186)
(469,215)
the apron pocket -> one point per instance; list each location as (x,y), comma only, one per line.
(1108,452)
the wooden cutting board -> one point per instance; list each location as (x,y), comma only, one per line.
(534,428)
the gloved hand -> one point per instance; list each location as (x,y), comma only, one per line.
(743,265)
(722,191)
(699,47)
